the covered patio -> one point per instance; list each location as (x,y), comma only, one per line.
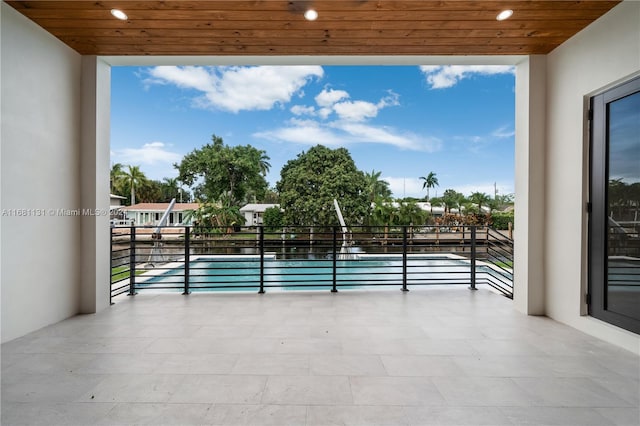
(445,356)
(430,356)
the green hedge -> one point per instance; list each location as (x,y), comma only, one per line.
(501,220)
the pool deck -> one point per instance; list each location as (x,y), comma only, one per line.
(445,356)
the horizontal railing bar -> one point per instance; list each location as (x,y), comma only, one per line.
(423,248)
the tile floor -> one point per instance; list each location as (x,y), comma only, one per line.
(437,356)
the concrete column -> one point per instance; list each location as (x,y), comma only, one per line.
(94,186)
(529,285)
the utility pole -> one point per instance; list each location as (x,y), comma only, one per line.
(495,190)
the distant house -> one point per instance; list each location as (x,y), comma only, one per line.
(435,211)
(115,206)
(151,213)
(116,201)
(253,213)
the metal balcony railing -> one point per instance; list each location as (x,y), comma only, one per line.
(258,259)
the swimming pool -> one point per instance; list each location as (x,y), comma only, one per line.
(246,273)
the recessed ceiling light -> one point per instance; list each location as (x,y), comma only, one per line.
(505,14)
(117,13)
(311,15)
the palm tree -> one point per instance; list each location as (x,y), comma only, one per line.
(480,199)
(114,176)
(264,163)
(384,213)
(376,187)
(133,177)
(451,199)
(171,188)
(409,213)
(430,181)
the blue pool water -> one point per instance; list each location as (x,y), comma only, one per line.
(224,274)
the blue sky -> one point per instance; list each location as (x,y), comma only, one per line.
(404,121)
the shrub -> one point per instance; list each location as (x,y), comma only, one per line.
(272,218)
(501,220)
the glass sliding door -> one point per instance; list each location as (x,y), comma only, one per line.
(614,223)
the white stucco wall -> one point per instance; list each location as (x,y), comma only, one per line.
(529,291)
(603,54)
(41,100)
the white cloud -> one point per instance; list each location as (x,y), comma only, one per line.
(342,133)
(349,128)
(503,132)
(155,159)
(362,110)
(442,77)
(360,132)
(303,132)
(149,154)
(355,110)
(486,187)
(302,110)
(327,98)
(325,112)
(412,187)
(237,89)
(405,187)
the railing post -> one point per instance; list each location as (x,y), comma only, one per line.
(261,250)
(335,260)
(473,258)
(404,259)
(187,259)
(132,261)
(111,267)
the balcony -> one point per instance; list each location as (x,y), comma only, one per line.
(435,355)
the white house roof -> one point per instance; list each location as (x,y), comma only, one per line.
(257,208)
(160,207)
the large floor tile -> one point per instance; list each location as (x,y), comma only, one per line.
(156,388)
(47,388)
(555,416)
(270,364)
(456,416)
(347,365)
(420,365)
(395,391)
(195,364)
(569,392)
(67,414)
(256,415)
(223,389)
(307,390)
(355,415)
(482,391)
(156,414)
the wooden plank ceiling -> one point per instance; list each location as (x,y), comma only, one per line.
(344,27)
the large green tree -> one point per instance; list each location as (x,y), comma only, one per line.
(309,183)
(237,172)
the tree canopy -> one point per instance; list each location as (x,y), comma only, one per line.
(309,183)
(237,172)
